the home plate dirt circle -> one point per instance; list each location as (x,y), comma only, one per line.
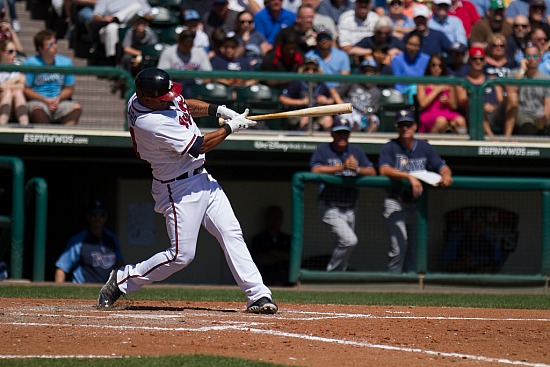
(299,335)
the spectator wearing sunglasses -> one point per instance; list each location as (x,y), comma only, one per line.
(90,255)
(537,19)
(331,60)
(497,113)
(533,101)
(12,84)
(517,40)
(248,36)
(496,61)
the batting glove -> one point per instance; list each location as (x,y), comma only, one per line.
(226,113)
(240,122)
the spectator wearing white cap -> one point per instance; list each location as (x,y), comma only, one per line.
(448,24)
(433,41)
(493,23)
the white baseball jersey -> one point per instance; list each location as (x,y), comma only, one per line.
(165,138)
(170,141)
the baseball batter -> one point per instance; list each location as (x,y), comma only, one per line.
(164,134)
(398,157)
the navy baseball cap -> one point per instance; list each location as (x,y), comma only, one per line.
(341,123)
(404,116)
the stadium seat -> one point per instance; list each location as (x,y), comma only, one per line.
(391,101)
(168,35)
(151,54)
(170,4)
(213,93)
(260,100)
(163,17)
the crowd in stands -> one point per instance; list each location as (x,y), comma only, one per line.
(477,40)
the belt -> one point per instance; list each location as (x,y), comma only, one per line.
(183,176)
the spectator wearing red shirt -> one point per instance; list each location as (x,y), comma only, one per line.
(466,12)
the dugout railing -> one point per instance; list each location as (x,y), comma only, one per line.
(13,222)
(94,96)
(528,196)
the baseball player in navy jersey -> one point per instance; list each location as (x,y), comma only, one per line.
(164,134)
(398,157)
(337,204)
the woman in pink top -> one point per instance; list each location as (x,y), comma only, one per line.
(438,103)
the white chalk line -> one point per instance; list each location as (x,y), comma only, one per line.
(321,316)
(301,337)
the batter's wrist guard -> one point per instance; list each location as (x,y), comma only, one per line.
(213,109)
(227,128)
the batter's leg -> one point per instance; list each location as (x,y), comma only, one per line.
(183,212)
(221,222)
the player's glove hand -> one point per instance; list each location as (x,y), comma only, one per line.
(226,113)
(240,122)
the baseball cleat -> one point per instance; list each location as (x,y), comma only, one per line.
(263,305)
(110,292)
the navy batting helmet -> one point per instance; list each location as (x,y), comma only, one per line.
(156,83)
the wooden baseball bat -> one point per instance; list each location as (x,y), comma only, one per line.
(335,109)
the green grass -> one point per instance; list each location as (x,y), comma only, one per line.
(212,294)
(283,296)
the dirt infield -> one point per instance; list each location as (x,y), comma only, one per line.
(299,335)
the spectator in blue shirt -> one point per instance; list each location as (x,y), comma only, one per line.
(90,255)
(49,94)
(331,59)
(270,20)
(412,62)
(433,41)
(449,24)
